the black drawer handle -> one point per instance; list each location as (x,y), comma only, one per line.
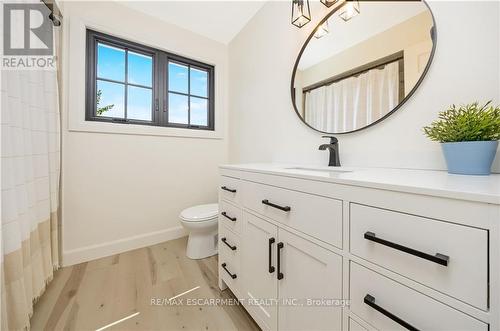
(224,240)
(225,188)
(438,258)
(280,274)
(266,202)
(233,219)
(370,301)
(223,265)
(271,267)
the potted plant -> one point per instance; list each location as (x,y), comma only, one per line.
(469,137)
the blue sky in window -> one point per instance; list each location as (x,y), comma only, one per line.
(140,69)
(177,108)
(199,111)
(139,103)
(199,82)
(111,65)
(110,62)
(112,94)
(177,77)
(178,105)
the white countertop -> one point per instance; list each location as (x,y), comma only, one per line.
(427,182)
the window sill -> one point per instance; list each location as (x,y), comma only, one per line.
(144,130)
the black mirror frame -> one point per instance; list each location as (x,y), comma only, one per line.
(433,34)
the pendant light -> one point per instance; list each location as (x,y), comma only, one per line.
(301,14)
(322,30)
(350,9)
(329,3)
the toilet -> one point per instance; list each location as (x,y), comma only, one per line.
(201,223)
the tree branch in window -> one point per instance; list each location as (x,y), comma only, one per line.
(101,110)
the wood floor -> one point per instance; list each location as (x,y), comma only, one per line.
(92,295)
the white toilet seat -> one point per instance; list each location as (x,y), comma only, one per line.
(200,213)
(200,226)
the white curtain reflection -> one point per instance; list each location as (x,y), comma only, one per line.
(353,102)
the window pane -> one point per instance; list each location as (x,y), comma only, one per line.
(110,62)
(110,99)
(177,77)
(199,82)
(139,103)
(177,108)
(199,111)
(140,69)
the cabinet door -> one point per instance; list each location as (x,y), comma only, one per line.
(260,288)
(310,291)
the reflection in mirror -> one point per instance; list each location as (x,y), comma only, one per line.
(356,72)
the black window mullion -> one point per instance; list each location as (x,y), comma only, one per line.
(95,64)
(167,90)
(110,80)
(166,97)
(129,84)
(211,100)
(156,101)
(189,95)
(208,101)
(126,84)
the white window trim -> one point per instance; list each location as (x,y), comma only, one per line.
(74,83)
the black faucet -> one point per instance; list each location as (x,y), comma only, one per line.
(333,147)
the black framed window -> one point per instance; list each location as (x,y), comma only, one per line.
(131,83)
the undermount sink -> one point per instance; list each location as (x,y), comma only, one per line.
(329,169)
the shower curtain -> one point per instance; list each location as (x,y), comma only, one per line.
(30,147)
(353,102)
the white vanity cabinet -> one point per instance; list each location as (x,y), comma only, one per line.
(282,267)
(362,250)
(310,272)
(259,270)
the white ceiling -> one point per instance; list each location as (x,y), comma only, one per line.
(217,20)
(374,18)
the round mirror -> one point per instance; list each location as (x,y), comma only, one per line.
(361,63)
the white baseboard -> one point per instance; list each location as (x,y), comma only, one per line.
(92,252)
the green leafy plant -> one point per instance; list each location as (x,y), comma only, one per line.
(470,122)
(101,110)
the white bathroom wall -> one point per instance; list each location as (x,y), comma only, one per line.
(123,191)
(264,128)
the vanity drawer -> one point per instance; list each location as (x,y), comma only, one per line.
(227,271)
(229,188)
(229,246)
(230,216)
(408,245)
(314,215)
(229,259)
(370,292)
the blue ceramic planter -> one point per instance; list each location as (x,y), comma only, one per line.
(470,157)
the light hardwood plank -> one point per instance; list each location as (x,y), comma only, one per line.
(95,294)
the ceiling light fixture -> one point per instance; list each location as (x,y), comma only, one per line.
(350,9)
(322,30)
(301,14)
(329,3)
